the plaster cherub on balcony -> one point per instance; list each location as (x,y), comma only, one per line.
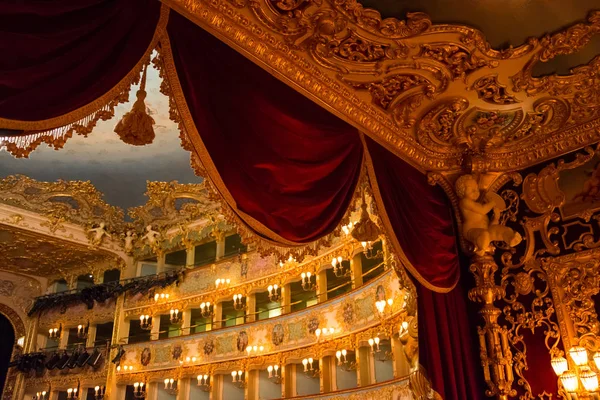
(477,227)
(98,234)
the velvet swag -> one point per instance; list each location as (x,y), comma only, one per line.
(286,168)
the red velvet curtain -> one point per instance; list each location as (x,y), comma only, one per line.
(421,221)
(288,164)
(57,56)
(293,167)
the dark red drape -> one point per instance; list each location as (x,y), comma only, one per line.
(422,223)
(57,56)
(419,215)
(287,163)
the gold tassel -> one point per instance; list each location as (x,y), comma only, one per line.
(136,126)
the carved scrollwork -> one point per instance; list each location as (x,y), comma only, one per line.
(491,91)
(459,60)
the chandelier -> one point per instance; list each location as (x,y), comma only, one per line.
(73,393)
(40,395)
(161,297)
(379,354)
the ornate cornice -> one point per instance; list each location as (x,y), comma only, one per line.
(437,95)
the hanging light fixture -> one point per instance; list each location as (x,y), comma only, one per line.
(40,395)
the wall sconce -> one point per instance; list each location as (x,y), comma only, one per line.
(145,322)
(207,310)
(82,331)
(238,302)
(343,362)
(326,332)
(125,368)
(54,333)
(309,368)
(171,386)
(161,297)
(175,316)
(139,390)
(274,376)
(188,360)
(381,306)
(254,350)
(222,283)
(238,379)
(368,251)
(204,382)
(307,284)
(274,292)
(570,378)
(338,269)
(99,392)
(40,396)
(379,355)
(73,393)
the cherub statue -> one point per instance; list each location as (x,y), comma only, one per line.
(151,235)
(129,238)
(477,227)
(98,234)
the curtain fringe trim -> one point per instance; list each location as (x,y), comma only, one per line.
(56,131)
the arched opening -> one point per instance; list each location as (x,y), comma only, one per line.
(7,333)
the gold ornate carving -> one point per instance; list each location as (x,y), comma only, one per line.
(172,203)
(491,91)
(78,202)
(23,252)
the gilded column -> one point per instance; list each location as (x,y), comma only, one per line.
(356,268)
(322,286)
